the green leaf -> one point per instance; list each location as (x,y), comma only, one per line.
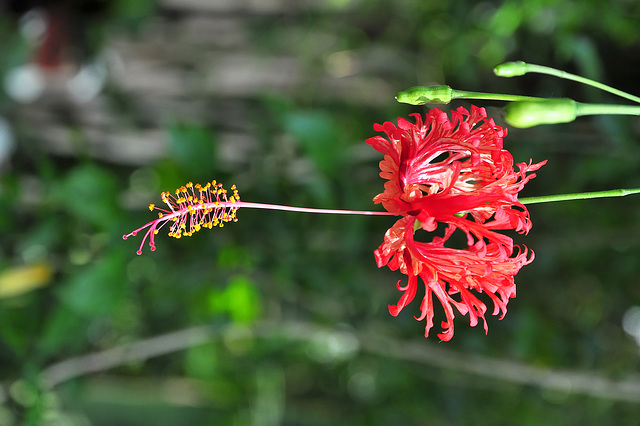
(200,362)
(240,300)
(89,193)
(192,146)
(98,288)
(64,332)
(319,137)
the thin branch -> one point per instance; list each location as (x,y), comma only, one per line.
(568,381)
(121,355)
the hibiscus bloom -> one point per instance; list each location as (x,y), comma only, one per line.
(456,173)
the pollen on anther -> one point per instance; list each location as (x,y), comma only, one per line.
(192,208)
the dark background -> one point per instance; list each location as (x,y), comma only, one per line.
(282,318)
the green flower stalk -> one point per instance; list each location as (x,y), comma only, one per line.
(526,111)
(552,111)
(522,111)
(580,196)
(420,95)
(518,68)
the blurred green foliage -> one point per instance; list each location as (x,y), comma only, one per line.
(289,300)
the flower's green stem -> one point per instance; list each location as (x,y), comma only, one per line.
(463,94)
(443,94)
(600,109)
(579,196)
(513,69)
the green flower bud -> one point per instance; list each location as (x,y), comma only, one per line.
(526,114)
(510,69)
(420,95)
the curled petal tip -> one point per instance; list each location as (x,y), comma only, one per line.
(394,310)
(451,172)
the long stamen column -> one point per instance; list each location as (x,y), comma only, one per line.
(194,207)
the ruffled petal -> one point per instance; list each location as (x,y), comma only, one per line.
(452,171)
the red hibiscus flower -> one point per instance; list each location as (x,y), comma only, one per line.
(456,174)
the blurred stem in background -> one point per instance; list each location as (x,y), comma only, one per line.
(569,381)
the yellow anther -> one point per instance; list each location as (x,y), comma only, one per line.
(191,211)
